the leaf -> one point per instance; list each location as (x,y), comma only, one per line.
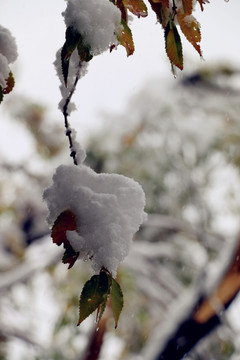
(125,38)
(94,295)
(191,29)
(173,45)
(72,39)
(117,301)
(64,222)
(187,6)
(203,2)
(84,52)
(10,84)
(1,94)
(161,10)
(137,7)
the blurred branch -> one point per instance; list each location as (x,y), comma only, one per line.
(37,257)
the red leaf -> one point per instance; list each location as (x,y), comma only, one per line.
(64,222)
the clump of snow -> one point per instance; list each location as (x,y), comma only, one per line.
(97,21)
(109,209)
(8,53)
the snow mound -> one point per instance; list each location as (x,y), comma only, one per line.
(8,53)
(96,20)
(109,209)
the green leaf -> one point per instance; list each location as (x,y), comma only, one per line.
(84,52)
(1,94)
(72,39)
(94,295)
(173,45)
(117,301)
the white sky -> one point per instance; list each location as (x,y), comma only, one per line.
(112,78)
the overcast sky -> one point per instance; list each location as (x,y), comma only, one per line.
(112,78)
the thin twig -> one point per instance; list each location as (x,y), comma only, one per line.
(65,114)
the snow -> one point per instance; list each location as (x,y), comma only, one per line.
(8,53)
(109,209)
(4,72)
(97,21)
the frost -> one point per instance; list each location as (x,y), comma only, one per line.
(109,209)
(96,20)
(8,53)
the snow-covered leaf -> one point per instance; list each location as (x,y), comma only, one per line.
(191,29)
(173,45)
(65,221)
(137,7)
(117,301)
(94,296)
(125,38)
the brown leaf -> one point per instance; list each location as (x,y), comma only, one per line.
(191,29)
(187,6)
(202,2)
(64,222)
(10,84)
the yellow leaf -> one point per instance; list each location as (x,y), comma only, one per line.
(125,38)
(137,7)
(191,29)
(173,45)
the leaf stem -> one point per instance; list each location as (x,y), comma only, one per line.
(65,114)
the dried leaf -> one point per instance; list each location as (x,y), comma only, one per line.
(191,29)
(173,45)
(137,7)
(117,301)
(125,38)
(94,295)
(65,221)
(187,6)
(10,84)
(203,2)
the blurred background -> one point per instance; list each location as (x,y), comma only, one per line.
(179,138)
